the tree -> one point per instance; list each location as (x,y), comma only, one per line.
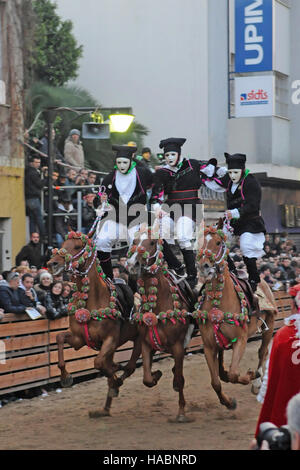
(56,53)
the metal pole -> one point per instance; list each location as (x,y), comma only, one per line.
(50,119)
(79,211)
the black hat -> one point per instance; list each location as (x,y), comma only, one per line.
(172,144)
(236,161)
(124,151)
(145,150)
(64,196)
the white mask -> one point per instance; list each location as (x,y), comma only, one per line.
(235,175)
(123,164)
(172,158)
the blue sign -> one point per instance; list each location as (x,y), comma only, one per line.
(253,35)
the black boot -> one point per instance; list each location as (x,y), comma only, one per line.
(105,261)
(190,266)
(170,258)
(254,278)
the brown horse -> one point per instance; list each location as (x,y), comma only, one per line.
(94,315)
(223,315)
(162,318)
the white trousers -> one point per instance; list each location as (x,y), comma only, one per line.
(182,230)
(111,232)
(252,244)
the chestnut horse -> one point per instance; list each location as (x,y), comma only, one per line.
(94,315)
(223,316)
(162,317)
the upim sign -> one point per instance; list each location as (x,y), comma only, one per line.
(253,35)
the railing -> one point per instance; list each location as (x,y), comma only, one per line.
(28,350)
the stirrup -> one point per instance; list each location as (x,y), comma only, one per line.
(264,326)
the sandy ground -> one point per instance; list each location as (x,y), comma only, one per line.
(140,416)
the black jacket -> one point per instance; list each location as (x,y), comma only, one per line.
(32,253)
(10,300)
(139,196)
(179,187)
(88,215)
(247,199)
(55,306)
(33,183)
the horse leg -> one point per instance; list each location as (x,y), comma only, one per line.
(237,354)
(75,342)
(178,381)
(263,352)
(149,379)
(131,364)
(212,362)
(223,373)
(104,363)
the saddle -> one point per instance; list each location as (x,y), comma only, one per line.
(251,298)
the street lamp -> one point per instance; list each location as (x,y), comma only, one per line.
(120,122)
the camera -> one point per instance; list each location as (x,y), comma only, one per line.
(277,438)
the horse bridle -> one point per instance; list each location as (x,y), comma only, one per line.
(153,268)
(73,262)
(218,258)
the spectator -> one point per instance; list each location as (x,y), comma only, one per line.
(73,150)
(88,211)
(28,295)
(44,286)
(31,252)
(34,271)
(67,221)
(66,292)
(10,299)
(266,275)
(282,376)
(288,268)
(70,181)
(81,179)
(91,179)
(54,302)
(62,177)
(44,147)
(33,186)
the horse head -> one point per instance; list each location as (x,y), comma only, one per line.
(145,252)
(73,255)
(212,256)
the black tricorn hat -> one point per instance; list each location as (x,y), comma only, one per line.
(124,151)
(236,161)
(173,144)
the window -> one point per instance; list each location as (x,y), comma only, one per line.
(281,95)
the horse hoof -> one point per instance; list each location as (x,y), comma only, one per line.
(99,413)
(156,375)
(113,392)
(66,381)
(233,404)
(255,390)
(182,419)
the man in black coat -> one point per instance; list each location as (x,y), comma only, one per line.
(31,252)
(243,211)
(33,186)
(122,189)
(177,183)
(67,220)
(10,299)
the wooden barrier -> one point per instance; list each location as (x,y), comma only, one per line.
(28,350)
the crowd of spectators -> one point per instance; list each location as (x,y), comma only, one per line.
(280,266)
(27,286)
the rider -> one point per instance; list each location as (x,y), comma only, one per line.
(125,186)
(243,211)
(180,180)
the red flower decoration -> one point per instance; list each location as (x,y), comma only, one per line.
(215,315)
(149,318)
(82,315)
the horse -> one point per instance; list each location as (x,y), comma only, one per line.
(223,315)
(162,317)
(94,312)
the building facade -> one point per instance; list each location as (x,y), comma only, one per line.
(12,205)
